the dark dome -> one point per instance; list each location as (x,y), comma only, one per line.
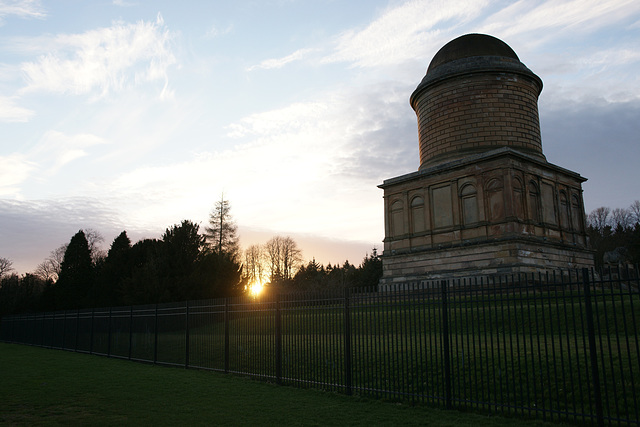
(472,53)
(471,45)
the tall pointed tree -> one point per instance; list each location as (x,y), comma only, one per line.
(115,269)
(76,274)
(222,232)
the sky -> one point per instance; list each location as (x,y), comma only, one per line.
(136,115)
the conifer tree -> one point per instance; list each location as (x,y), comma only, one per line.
(222,232)
(76,274)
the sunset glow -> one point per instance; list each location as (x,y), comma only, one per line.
(125,115)
(255,288)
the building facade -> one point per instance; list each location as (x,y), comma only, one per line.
(485,200)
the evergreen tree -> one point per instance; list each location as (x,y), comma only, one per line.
(182,250)
(115,269)
(76,274)
(145,284)
(370,270)
(222,232)
(218,275)
(310,277)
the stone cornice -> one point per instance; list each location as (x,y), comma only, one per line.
(489,155)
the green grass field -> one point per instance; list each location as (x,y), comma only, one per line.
(519,354)
(42,387)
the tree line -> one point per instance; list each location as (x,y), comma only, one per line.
(615,231)
(186,263)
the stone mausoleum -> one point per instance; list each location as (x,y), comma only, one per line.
(485,200)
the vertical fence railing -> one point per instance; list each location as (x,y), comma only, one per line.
(278,334)
(561,348)
(593,352)
(446,356)
(347,343)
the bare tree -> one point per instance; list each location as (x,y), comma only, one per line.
(254,264)
(599,218)
(222,230)
(284,257)
(6,265)
(634,209)
(621,217)
(291,257)
(272,252)
(49,269)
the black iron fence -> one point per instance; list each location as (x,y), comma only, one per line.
(559,347)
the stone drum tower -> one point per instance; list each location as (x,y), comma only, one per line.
(484,200)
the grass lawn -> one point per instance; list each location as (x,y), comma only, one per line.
(49,387)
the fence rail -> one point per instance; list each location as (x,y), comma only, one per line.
(561,347)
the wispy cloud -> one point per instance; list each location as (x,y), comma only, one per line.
(565,17)
(402,32)
(215,31)
(14,169)
(22,9)
(103,60)
(268,64)
(123,3)
(611,58)
(56,149)
(10,112)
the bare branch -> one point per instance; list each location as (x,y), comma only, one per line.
(49,269)
(621,218)
(6,265)
(599,218)
(634,209)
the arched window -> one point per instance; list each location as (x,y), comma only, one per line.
(469,198)
(549,202)
(417,214)
(495,197)
(397,218)
(534,202)
(576,213)
(518,198)
(442,206)
(564,211)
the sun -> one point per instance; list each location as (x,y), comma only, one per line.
(255,288)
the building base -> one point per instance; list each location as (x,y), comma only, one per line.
(517,256)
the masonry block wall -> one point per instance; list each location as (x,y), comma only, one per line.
(476,112)
(485,199)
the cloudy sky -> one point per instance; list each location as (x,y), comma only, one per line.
(134,115)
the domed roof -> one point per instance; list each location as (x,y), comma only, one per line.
(471,45)
(472,53)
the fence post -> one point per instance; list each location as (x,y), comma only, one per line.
(226,334)
(77,329)
(42,330)
(93,315)
(109,334)
(64,327)
(347,342)
(186,336)
(130,330)
(278,341)
(155,338)
(445,345)
(12,331)
(597,394)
